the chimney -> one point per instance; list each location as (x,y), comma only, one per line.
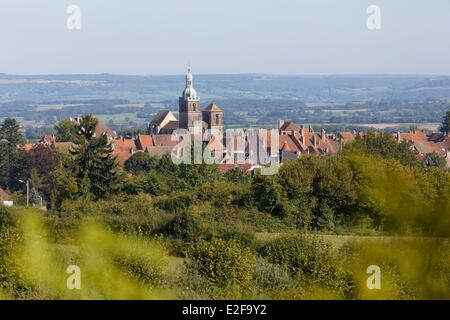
(323,136)
(293,133)
(399,137)
(315,140)
(310,129)
(281,123)
(303,139)
(302,131)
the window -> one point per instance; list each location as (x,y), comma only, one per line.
(217,119)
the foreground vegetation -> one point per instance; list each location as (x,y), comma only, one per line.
(159,230)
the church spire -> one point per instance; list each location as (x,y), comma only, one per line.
(189,79)
(189,92)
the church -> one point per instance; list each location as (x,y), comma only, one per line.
(190,113)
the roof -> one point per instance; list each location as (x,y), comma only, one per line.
(104,129)
(437,137)
(159,118)
(28,146)
(289,126)
(47,139)
(123,149)
(413,136)
(163,140)
(172,125)
(213,107)
(287,144)
(4,196)
(144,141)
(347,136)
(159,151)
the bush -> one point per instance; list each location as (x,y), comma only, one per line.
(307,257)
(175,203)
(271,277)
(5,217)
(186,226)
(11,279)
(222,262)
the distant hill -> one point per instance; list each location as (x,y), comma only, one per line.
(44,88)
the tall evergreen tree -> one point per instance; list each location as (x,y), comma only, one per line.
(11,154)
(66,131)
(95,166)
(446,123)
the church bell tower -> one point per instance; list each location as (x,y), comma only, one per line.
(189,105)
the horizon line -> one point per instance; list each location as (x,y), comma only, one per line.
(234,74)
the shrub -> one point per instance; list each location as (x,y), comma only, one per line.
(271,277)
(222,262)
(11,279)
(241,233)
(187,227)
(5,217)
(307,257)
(175,203)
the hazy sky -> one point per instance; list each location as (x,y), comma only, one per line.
(228,36)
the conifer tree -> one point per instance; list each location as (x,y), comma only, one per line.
(446,123)
(11,154)
(96,169)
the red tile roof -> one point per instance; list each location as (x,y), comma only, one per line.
(163,140)
(144,141)
(123,149)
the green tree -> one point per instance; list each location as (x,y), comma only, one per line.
(269,194)
(446,123)
(66,187)
(385,146)
(222,262)
(44,161)
(93,160)
(66,131)
(140,162)
(11,154)
(435,160)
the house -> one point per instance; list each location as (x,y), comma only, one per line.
(163,123)
(425,144)
(296,140)
(5,198)
(123,149)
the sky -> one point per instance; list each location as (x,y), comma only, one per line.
(302,37)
